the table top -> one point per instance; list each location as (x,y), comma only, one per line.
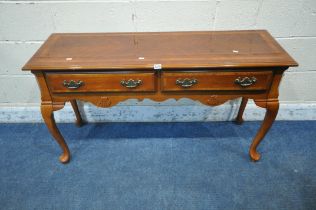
(166,50)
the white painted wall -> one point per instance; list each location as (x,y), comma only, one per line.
(24,25)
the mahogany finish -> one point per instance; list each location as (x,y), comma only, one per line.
(243,104)
(74,105)
(101,82)
(218,80)
(107,51)
(211,67)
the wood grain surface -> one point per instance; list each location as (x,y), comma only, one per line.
(210,67)
(202,49)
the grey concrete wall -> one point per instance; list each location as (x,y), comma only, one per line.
(24,25)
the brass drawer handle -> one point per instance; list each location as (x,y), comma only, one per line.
(73,84)
(131,83)
(186,83)
(245,81)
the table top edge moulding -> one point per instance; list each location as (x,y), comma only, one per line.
(208,66)
(211,51)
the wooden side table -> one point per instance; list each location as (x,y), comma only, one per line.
(211,67)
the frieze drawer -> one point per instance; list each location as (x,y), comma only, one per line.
(200,81)
(101,82)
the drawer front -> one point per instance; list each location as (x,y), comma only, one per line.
(101,82)
(199,81)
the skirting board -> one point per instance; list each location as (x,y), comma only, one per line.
(153,112)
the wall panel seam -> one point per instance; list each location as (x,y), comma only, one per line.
(7,41)
(60,2)
(295,37)
(16,75)
(21,42)
(97,1)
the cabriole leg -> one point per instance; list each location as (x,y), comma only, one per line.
(77,113)
(271,113)
(242,107)
(48,116)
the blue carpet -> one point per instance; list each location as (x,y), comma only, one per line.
(159,166)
